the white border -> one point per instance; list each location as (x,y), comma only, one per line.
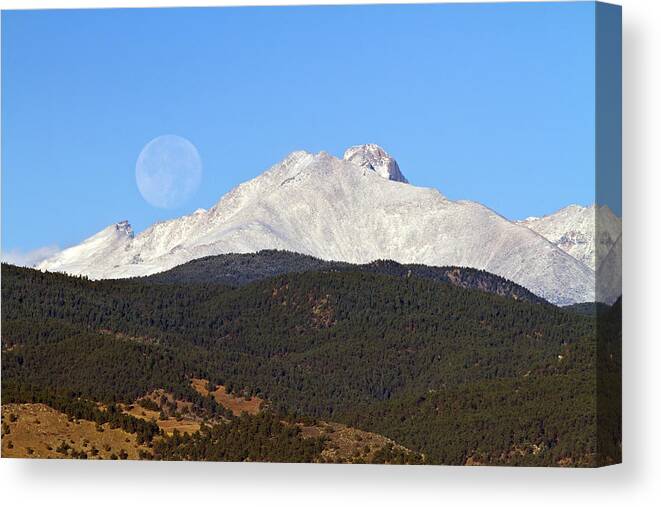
(636,482)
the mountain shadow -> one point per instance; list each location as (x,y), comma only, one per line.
(235,270)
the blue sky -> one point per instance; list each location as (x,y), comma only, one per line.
(491,102)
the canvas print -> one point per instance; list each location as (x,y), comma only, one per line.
(360,234)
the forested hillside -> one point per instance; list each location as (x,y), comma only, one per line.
(460,376)
(241,269)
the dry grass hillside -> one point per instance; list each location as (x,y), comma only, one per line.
(172,414)
(350,445)
(33,430)
(237,404)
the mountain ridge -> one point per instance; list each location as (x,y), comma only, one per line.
(587,233)
(356,211)
(241,269)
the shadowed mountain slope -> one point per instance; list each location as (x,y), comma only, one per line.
(241,269)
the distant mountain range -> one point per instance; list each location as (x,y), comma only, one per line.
(359,209)
(591,234)
(587,233)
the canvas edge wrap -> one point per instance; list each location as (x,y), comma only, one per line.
(608,192)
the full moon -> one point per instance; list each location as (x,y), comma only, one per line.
(168,171)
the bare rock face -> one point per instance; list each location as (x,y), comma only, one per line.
(375,158)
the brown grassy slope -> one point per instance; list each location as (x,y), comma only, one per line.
(180,418)
(33,430)
(349,445)
(237,404)
(36,431)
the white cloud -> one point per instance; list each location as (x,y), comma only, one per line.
(29,258)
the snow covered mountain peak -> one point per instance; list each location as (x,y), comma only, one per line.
(95,250)
(119,231)
(354,209)
(124,228)
(375,158)
(584,232)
